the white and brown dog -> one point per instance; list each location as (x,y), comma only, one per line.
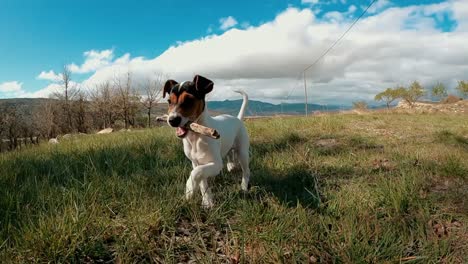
(187,103)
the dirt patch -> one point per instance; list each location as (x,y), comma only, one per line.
(327,143)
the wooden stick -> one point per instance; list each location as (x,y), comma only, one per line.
(194,127)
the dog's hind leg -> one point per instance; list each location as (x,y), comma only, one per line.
(243,157)
(232,161)
(244,163)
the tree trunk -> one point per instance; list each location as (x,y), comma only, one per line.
(149,117)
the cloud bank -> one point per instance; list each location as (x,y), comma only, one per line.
(11,88)
(393,46)
(227,22)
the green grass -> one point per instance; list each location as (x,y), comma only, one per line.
(382,188)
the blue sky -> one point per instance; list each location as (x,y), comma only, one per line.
(44,35)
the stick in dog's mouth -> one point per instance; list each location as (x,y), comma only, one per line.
(194,127)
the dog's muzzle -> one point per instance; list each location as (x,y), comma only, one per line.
(174,121)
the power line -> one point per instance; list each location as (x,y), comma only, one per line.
(298,78)
(328,50)
(303,72)
(341,37)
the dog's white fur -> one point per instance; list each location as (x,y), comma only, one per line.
(207,154)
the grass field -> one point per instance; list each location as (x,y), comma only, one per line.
(332,188)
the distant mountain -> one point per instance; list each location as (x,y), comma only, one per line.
(24,106)
(259,108)
(255,108)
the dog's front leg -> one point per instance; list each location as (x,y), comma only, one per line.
(199,178)
(207,197)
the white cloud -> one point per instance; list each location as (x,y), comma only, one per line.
(334,16)
(309,1)
(266,60)
(46,92)
(10,87)
(94,60)
(227,22)
(15,89)
(49,90)
(245,25)
(50,76)
(378,6)
(460,12)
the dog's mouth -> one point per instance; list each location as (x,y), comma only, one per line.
(181,132)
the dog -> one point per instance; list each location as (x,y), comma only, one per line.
(187,104)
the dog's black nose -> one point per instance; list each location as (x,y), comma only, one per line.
(175,121)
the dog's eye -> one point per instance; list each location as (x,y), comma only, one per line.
(187,102)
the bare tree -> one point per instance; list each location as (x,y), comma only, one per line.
(12,121)
(44,119)
(3,127)
(67,94)
(104,103)
(2,122)
(28,129)
(80,109)
(151,94)
(128,99)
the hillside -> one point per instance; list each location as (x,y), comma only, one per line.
(331,188)
(23,105)
(255,108)
(258,108)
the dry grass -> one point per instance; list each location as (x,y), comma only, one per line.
(331,188)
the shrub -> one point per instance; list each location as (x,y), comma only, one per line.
(412,93)
(452,99)
(463,88)
(439,91)
(389,95)
(360,105)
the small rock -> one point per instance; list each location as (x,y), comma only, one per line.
(106,131)
(313,259)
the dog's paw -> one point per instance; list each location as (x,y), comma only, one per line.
(245,186)
(207,205)
(231,166)
(189,190)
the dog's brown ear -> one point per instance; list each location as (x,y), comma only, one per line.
(168,87)
(202,84)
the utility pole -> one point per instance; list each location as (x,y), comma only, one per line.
(305,92)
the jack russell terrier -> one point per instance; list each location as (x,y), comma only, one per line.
(187,103)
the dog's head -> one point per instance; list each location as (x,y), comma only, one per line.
(186,101)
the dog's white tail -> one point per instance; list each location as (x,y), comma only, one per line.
(245,97)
